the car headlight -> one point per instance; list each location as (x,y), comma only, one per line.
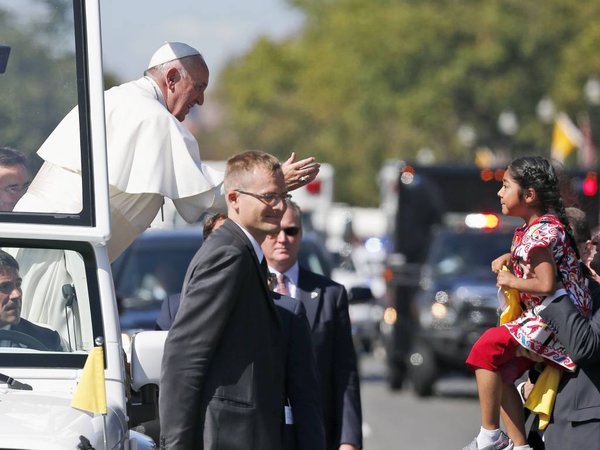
(438,313)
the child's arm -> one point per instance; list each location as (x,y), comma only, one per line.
(541,280)
(500,261)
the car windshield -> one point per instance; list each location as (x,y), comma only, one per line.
(456,253)
(42,80)
(146,275)
(314,257)
(48,303)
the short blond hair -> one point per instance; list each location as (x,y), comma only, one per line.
(240,166)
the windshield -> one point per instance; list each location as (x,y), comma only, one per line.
(42,79)
(48,299)
(454,253)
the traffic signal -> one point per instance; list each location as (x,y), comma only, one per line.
(589,186)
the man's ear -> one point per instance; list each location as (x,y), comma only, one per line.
(231,198)
(172,76)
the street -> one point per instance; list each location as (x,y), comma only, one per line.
(401,420)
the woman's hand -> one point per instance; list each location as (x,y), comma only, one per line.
(299,173)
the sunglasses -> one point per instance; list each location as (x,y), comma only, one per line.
(291,231)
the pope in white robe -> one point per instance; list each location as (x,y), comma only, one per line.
(151,155)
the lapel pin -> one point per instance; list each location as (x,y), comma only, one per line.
(314,294)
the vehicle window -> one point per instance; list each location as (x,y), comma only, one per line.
(54,308)
(41,83)
(455,253)
(313,258)
(145,276)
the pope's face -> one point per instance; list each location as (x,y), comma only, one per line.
(10,297)
(189,91)
(14,181)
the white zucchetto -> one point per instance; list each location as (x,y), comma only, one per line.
(170,51)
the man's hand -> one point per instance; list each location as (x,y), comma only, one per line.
(347,447)
(299,173)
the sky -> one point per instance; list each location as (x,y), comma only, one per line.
(220,29)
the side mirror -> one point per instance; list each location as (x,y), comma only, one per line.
(360,294)
(147,348)
(4,52)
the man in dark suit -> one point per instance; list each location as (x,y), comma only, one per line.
(575,420)
(222,371)
(326,304)
(14,330)
(303,415)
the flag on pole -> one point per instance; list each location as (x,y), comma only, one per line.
(90,394)
(566,137)
(586,156)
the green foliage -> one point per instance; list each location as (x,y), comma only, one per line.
(366,81)
(39,86)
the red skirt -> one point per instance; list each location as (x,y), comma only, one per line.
(496,350)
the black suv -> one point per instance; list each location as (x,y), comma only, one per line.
(154,267)
(455,300)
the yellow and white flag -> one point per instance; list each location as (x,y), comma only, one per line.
(90,394)
(566,137)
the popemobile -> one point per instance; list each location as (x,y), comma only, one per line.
(66,381)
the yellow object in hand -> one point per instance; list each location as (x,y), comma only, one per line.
(541,399)
(513,304)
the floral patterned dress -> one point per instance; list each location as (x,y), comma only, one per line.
(529,329)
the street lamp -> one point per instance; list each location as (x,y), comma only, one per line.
(508,122)
(546,110)
(591,91)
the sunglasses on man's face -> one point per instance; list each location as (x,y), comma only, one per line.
(291,231)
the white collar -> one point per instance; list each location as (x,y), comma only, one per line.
(292,273)
(157,92)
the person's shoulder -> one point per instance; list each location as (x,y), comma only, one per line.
(130,97)
(225,243)
(317,280)
(41,332)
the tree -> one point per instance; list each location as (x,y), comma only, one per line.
(366,81)
(39,86)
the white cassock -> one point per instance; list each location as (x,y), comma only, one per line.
(151,155)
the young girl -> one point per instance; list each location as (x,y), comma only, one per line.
(544,260)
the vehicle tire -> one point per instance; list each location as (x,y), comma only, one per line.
(395,377)
(423,370)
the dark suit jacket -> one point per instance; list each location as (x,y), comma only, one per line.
(575,422)
(168,310)
(326,304)
(301,377)
(50,338)
(222,371)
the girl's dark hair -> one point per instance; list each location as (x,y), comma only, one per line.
(546,179)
